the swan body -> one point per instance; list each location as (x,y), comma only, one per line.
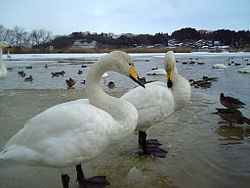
(157,72)
(156,102)
(221,66)
(3,70)
(8,54)
(71,133)
(245,69)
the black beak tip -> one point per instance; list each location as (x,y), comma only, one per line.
(170,84)
(138,81)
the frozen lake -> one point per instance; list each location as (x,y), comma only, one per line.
(201,152)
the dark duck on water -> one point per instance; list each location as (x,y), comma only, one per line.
(232,116)
(230,102)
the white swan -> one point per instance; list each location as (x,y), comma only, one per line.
(71,133)
(8,54)
(157,72)
(245,69)
(221,66)
(156,102)
(3,70)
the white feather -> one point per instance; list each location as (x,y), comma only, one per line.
(71,133)
(156,102)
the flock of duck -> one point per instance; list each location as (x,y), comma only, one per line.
(231,114)
(71,133)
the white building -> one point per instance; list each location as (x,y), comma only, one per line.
(83,44)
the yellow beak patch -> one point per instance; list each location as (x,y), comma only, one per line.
(170,76)
(133,72)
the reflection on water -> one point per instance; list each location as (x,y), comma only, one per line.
(233,133)
(201,152)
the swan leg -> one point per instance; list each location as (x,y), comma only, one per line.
(65,180)
(150,147)
(92,182)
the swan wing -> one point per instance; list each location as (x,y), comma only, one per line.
(154,103)
(61,135)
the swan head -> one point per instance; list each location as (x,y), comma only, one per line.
(169,64)
(3,45)
(124,64)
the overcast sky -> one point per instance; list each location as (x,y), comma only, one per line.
(122,16)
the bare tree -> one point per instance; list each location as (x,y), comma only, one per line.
(10,37)
(40,36)
(2,33)
(18,36)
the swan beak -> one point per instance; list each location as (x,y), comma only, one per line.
(134,76)
(170,79)
(6,45)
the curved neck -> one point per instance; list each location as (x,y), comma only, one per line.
(2,67)
(118,108)
(175,73)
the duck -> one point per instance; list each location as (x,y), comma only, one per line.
(28,79)
(200,63)
(29,67)
(46,66)
(206,78)
(68,134)
(221,66)
(156,71)
(84,66)
(3,70)
(21,73)
(58,73)
(157,102)
(231,102)
(79,71)
(231,116)
(70,82)
(111,85)
(83,82)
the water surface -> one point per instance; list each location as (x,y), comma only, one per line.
(201,152)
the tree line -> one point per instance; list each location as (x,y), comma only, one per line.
(18,37)
(40,38)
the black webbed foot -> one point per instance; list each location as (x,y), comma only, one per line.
(150,147)
(97,182)
(155,151)
(92,182)
(153,142)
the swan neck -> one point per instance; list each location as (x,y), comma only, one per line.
(97,97)
(1,56)
(2,67)
(175,72)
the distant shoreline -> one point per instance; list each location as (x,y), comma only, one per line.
(19,50)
